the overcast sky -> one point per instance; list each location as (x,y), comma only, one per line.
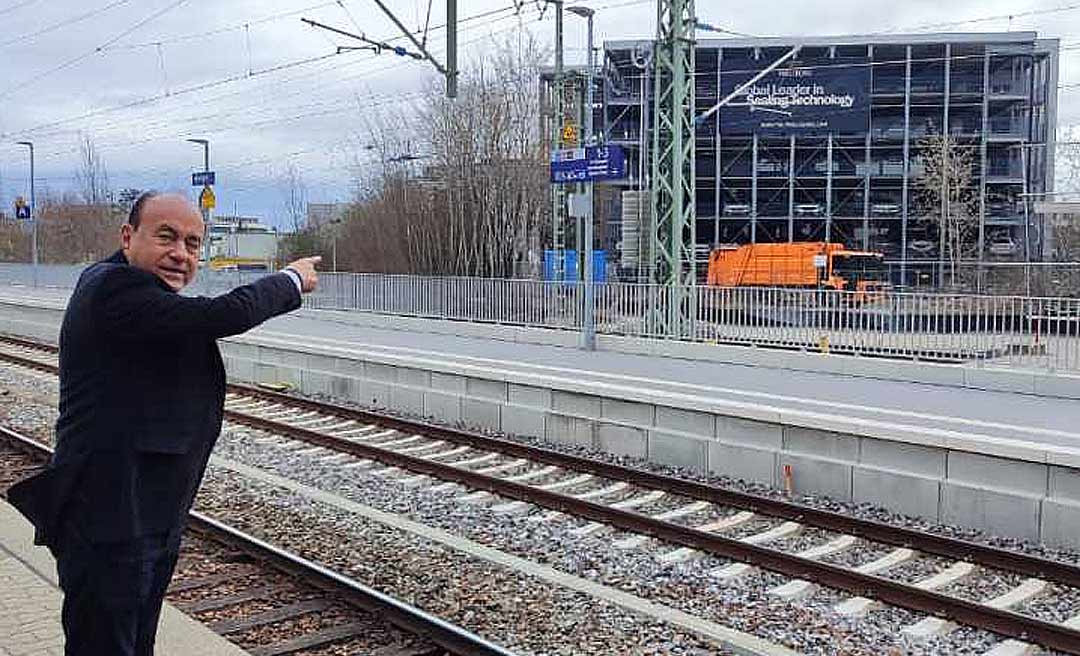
(140,76)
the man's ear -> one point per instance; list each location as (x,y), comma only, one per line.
(126,231)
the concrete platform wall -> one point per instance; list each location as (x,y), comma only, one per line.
(992,376)
(1027,496)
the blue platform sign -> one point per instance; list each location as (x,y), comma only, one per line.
(590,164)
(22,212)
(202,178)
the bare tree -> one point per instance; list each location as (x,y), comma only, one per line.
(1066,238)
(92,177)
(294,194)
(1067,160)
(947,197)
(478,204)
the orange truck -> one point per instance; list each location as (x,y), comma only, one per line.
(798,264)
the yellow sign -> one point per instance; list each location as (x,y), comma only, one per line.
(207,200)
(569,134)
(20,201)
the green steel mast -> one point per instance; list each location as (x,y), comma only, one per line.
(558,191)
(674,211)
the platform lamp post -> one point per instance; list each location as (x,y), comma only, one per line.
(205,210)
(333,223)
(33,216)
(588,328)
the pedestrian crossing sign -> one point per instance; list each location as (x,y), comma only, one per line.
(569,134)
(207,200)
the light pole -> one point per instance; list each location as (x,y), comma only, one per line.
(588,328)
(333,240)
(205,210)
(33,216)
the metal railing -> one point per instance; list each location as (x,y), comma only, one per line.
(1033,333)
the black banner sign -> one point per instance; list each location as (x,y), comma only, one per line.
(801,97)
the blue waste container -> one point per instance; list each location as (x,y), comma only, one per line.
(570,266)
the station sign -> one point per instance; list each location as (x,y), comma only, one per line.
(805,96)
(590,164)
(202,178)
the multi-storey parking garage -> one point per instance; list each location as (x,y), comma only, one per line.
(833,144)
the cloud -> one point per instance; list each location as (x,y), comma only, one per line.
(307,113)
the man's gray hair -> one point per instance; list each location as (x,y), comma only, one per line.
(137,207)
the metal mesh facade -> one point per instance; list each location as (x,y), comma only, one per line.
(993,95)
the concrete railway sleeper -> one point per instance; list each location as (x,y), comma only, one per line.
(611,504)
(271,602)
(608,496)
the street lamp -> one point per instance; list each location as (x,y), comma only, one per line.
(33,216)
(333,237)
(205,210)
(588,328)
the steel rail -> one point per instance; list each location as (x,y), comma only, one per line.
(988,556)
(1007,623)
(415,621)
(1002,622)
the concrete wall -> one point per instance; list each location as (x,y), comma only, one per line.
(1026,492)
(976,376)
(1006,487)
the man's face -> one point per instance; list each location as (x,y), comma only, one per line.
(167,241)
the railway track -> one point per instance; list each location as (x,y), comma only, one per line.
(271,602)
(693,518)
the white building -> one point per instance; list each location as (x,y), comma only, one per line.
(241,241)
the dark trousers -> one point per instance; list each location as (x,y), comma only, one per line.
(113,593)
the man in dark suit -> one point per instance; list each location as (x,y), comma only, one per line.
(142,390)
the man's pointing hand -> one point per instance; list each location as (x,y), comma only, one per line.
(305,268)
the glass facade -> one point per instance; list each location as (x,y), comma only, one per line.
(850,166)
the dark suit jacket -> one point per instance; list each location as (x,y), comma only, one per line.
(142,387)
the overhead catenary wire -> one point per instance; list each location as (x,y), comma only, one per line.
(245,109)
(221,30)
(16,6)
(511,8)
(985,19)
(361,61)
(22,38)
(191,89)
(142,141)
(89,53)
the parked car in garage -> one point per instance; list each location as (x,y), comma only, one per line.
(921,246)
(1003,246)
(884,209)
(808,209)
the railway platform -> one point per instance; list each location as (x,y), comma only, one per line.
(30,603)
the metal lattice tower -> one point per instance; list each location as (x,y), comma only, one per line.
(558,191)
(674,212)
